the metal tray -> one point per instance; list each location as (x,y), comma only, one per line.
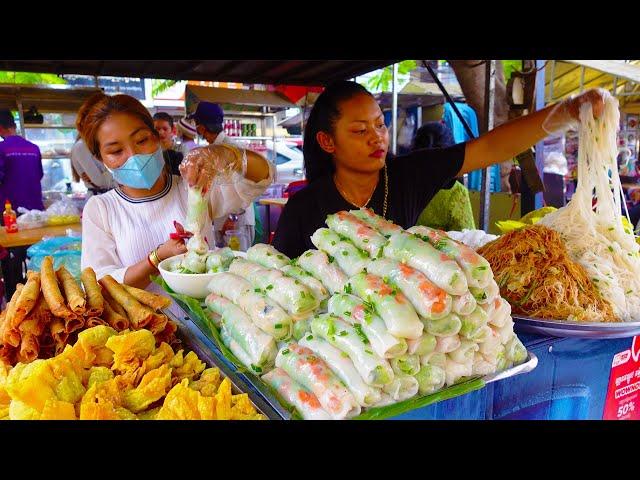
(193,339)
(557,328)
(274,405)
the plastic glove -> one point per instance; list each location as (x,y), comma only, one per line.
(204,165)
(566,114)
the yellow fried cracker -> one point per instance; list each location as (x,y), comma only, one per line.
(99,375)
(21,411)
(153,386)
(149,414)
(223,400)
(58,410)
(131,349)
(183,403)
(190,368)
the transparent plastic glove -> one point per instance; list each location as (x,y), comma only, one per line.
(566,114)
(203,167)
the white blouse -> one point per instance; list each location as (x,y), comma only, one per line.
(119,231)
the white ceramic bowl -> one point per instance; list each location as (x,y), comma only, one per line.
(191,284)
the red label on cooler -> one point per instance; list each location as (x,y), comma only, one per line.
(623,394)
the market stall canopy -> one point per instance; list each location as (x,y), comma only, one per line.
(422,94)
(567,77)
(290,72)
(235,98)
(49,98)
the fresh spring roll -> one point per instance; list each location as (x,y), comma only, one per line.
(349,258)
(244,268)
(472,322)
(300,328)
(423,345)
(395,309)
(197,207)
(235,348)
(374,370)
(402,388)
(444,327)
(430,379)
(405,365)
(385,399)
(360,234)
(481,335)
(385,227)
(266,314)
(434,358)
(291,294)
(260,346)
(229,285)
(267,256)
(317,288)
(343,367)
(430,301)
(501,314)
(476,269)
(354,311)
(481,366)
(486,295)
(448,344)
(441,269)
(464,304)
(194,262)
(465,352)
(491,343)
(219,260)
(516,351)
(310,371)
(305,402)
(506,331)
(317,264)
(454,371)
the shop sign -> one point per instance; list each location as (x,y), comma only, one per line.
(623,394)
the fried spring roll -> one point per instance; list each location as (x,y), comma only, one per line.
(115,306)
(58,332)
(139,315)
(7,354)
(95,321)
(157,302)
(51,290)
(29,348)
(74,323)
(114,319)
(95,300)
(158,323)
(27,299)
(11,335)
(72,291)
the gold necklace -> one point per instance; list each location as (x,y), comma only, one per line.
(386,194)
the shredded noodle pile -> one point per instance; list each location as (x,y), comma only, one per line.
(539,279)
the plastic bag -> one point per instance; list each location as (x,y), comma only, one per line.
(64,250)
(31,219)
(62,212)
(214,165)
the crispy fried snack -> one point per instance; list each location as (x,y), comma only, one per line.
(139,315)
(10,335)
(95,300)
(95,321)
(51,290)
(115,306)
(27,299)
(113,318)
(72,291)
(157,302)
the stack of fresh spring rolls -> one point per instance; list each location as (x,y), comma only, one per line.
(375,316)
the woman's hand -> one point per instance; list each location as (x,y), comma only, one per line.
(171,248)
(202,164)
(566,114)
(595,97)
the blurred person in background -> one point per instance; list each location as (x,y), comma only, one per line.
(93,173)
(187,134)
(163,122)
(209,120)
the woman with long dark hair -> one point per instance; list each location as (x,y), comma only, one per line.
(345,155)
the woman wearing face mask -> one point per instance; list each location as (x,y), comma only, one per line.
(345,156)
(122,228)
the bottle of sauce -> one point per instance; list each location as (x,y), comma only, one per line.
(10,218)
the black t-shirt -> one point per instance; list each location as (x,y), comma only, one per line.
(413,181)
(173,158)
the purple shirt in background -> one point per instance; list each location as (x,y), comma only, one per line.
(20,173)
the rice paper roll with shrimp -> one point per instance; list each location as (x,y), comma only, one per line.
(454,371)
(473,322)
(375,370)
(438,267)
(393,307)
(516,352)
(305,402)
(481,366)
(357,231)
(464,304)
(403,387)
(317,288)
(302,327)
(267,256)
(444,327)
(501,313)
(310,371)
(487,294)
(193,262)
(476,269)
(448,344)
(423,345)
(405,364)
(434,358)
(236,349)
(349,258)
(229,285)
(429,301)
(465,352)
(430,378)
(317,264)
(385,227)
(343,367)
(219,260)
(354,311)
